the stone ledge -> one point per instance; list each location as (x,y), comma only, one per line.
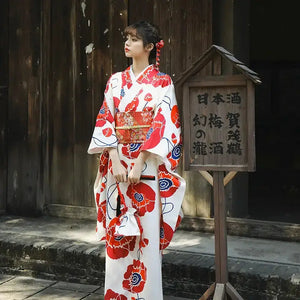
(185,274)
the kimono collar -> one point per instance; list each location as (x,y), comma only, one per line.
(142,74)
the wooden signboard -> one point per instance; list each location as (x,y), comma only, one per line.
(219,124)
(219,136)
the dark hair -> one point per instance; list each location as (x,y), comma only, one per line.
(147,32)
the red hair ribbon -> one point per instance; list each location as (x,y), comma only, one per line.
(158,46)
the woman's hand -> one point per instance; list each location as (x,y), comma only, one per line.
(119,171)
(135,173)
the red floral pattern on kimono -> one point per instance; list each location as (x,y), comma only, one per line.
(111,295)
(143,197)
(133,263)
(118,246)
(135,277)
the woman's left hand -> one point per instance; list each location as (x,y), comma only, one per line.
(135,173)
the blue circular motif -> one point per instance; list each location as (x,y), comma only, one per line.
(134,147)
(118,237)
(102,110)
(162,233)
(149,133)
(122,93)
(138,197)
(165,183)
(136,278)
(176,152)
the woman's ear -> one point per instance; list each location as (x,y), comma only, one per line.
(149,47)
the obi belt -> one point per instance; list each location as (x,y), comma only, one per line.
(132,126)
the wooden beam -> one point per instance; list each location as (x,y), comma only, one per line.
(208,292)
(207,176)
(230,290)
(229,177)
(219,291)
(220,228)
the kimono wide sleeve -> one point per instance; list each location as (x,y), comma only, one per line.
(164,140)
(104,134)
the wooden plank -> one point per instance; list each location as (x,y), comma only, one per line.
(219,291)
(118,21)
(161,9)
(207,176)
(44,191)
(24,103)
(220,228)
(140,10)
(99,69)
(61,110)
(229,177)
(81,90)
(230,290)
(3,102)
(251,125)
(178,42)
(208,292)
(187,132)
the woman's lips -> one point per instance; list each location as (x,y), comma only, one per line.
(126,49)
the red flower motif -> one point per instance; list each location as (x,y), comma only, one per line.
(116,102)
(175,155)
(168,184)
(131,150)
(154,77)
(175,116)
(148,97)
(166,234)
(142,197)
(156,131)
(107,132)
(111,295)
(100,122)
(104,115)
(132,106)
(135,277)
(118,246)
(103,163)
(101,215)
(126,79)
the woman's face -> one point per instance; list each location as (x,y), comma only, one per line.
(134,47)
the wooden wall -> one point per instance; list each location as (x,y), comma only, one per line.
(23,126)
(3,101)
(56,89)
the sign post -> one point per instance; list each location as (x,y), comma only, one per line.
(219,136)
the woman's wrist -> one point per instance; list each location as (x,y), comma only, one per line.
(143,156)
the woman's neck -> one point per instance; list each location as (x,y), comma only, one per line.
(138,65)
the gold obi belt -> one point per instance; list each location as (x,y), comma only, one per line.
(132,126)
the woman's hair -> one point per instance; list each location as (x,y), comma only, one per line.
(147,32)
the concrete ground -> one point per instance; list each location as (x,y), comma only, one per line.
(22,287)
(261,269)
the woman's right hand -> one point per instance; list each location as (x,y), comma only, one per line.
(119,171)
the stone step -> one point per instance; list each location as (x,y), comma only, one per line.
(39,248)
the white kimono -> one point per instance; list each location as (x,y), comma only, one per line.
(133,262)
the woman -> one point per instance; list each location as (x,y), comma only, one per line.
(137,133)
